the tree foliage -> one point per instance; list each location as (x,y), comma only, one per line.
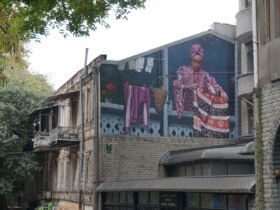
(15,164)
(25,19)
(23,92)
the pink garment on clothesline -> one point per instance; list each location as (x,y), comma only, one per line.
(137,105)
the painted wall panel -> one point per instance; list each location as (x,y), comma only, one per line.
(131,106)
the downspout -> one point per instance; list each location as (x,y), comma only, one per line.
(255,42)
(96,135)
(236,63)
(259,159)
(81,180)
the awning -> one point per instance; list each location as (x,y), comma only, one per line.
(217,184)
(249,149)
(223,153)
(41,109)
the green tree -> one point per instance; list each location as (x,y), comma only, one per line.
(23,92)
(26,19)
(15,164)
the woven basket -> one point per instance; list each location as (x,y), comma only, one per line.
(159,95)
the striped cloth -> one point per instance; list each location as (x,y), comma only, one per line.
(210,115)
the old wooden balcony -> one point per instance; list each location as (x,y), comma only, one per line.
(41,141)
(63,136)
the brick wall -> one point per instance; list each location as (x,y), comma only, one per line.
(121,158)
(128,157)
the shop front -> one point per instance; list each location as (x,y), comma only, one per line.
(181,193)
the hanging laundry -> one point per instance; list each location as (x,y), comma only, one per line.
(149,65)
(132,65)
(137,106)
(140,64)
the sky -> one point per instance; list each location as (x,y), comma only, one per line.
(161,22)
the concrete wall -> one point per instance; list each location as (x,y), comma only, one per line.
(225,29)
(244,88)
(269,62)
(244,127)
(244,25)
(242,4)
(245,84)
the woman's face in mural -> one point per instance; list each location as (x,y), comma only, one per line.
(196,61)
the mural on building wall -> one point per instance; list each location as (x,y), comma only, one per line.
(197,91)
(127,96)
(182,90)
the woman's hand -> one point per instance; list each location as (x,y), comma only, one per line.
(193,86)
(223,94)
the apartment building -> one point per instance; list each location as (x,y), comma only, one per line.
(245,69)
(267,49)
(128,134)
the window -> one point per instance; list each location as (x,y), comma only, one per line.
(143,197)
(122,197)
(213,201)
(197,169)
(248,3)
(148,200)
(154,198)
(236,168)
(238,48)
(61,116)
(219,168)
(250,57)
(74,113)
(118,200)
(267,19)
(189,170)
(192,200)
(205,169)
(88,111)
(115,198)
(182,171)
(275,18)
(250,112)
(236,202)
(129,198)
(108,198)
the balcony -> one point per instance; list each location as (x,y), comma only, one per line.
(63,135)
(244,25)
(245,84)
(41,142)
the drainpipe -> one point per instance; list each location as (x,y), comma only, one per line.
(255,42)
(259,152)
(96,135)
(81,180)
(237,114)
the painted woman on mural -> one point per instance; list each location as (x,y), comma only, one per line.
(196,90)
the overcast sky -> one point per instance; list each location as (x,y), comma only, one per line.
(161,22)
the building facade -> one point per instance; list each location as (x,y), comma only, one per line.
(106,135)
(267,33)
(245,69)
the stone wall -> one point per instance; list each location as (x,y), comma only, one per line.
(271,122)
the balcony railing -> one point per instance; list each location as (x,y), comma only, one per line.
(63,134)
(41,140)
